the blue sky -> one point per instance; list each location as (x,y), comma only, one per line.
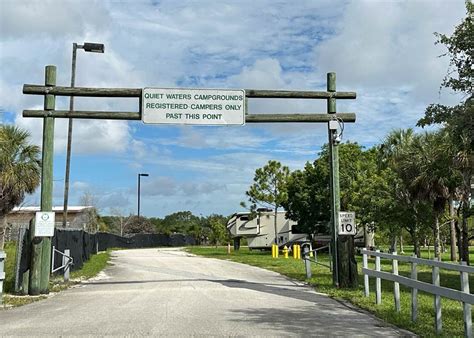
(383,50)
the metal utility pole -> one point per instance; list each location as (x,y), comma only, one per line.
(88,47)
(138,193)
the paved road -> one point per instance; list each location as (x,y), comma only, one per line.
(169,292)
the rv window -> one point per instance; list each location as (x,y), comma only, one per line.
(244,218)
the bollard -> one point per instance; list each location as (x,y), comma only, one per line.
(285,251)
(298,249)
(274,251)
(295,251)
(307,262)
(228,248)
(66,261)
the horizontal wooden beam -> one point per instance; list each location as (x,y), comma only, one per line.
(297,94)
(78,114)
(82,91)
(251,118)
(298,118)
(137,92)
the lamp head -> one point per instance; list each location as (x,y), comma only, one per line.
(93,47)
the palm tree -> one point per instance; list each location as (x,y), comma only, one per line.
(19,171)
(430,173)
(392,154)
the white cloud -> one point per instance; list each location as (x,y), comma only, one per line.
(382,50)
(89,136)
(33,18)
(392,47)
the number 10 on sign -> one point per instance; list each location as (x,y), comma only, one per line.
(346,223)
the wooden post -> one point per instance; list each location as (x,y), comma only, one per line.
(396,286)
(466,306)
(437,301)
(35,260)
(333,179)
(365,265)
(378,282)
(47,176)
(414,292)
(344,263)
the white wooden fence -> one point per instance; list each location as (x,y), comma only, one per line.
(438,291)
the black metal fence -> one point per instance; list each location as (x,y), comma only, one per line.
(107,240)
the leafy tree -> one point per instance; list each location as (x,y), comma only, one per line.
(269,188)
(308,198)
(205,230)
(459,120)
(179,222)
(219,234)
(308,201)
(19,171)
(139,225)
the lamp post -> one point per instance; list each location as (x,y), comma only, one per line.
(88,47)
(140,175)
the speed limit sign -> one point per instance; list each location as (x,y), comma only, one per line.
(346,223)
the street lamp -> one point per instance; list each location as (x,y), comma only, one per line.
(88,47)
(140,175)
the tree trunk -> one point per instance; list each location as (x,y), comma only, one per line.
(416,242)
(453,230)
(437,250)
(416,247)
(465,240)
(401,244)
(459,240)
(393,243)
(3,230)
(465,214)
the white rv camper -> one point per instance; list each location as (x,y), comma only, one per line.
(260,231)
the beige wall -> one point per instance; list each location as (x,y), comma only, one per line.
(21,219)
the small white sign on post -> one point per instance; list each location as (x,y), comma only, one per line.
(44,224)
(347,224)
(193,106)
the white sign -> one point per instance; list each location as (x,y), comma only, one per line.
(193,106)
(44,224)
(346,223)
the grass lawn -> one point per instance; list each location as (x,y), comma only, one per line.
(90,269)
(322,282)
(9,282)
